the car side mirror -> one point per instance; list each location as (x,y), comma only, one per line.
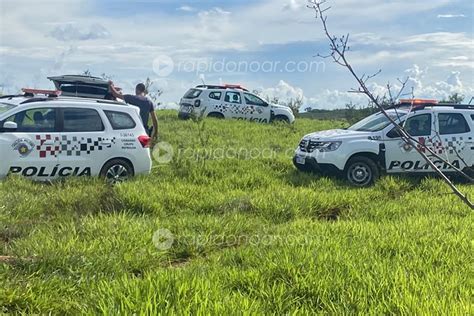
(10,126)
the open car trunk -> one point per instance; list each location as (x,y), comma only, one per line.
(82,86)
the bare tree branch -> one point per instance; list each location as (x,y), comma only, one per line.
(338,48)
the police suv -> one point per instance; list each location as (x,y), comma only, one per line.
(373,145)
(45,138)
(231,102)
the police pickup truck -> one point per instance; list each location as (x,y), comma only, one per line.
(373,146)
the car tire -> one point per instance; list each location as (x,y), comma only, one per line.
(216,115)
(304,168)
(281,118)
(116,171)
(362,171)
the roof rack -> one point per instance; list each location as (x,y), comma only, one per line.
(72,99)
(450,105)
(420,104)
(223,87)
(33,100)
(111,102)
(11,96)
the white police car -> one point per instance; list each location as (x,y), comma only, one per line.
(231,102)
(45,138)
(373,145)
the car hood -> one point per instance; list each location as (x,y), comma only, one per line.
(280,107)
(339,134)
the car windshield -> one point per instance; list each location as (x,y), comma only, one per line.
(5,107)
(376,122)
(192,94)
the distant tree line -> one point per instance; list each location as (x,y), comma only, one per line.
(353,113)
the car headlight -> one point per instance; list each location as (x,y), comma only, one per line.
(309,146)
(327,146)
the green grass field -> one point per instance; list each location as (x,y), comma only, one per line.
(250,235)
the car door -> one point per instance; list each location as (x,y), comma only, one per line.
(401,157)
(215,101)
(470,145)
(456,136)
(31,150)
(85,144)
(233,105)
(256,109)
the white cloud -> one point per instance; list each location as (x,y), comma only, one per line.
(451,39)
(134,42)
(186,8)
(440,49)
(417,79)
(213,13)
(283,91)
(293,5)
(70,32)
(450,16)
(459,58)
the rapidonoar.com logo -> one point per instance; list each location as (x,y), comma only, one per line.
(163,66)
(163,239)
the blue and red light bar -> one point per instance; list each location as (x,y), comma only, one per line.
(42,91)
(418,101)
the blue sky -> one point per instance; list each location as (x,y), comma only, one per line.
(431,42)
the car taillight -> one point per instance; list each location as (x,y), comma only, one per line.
(145,141)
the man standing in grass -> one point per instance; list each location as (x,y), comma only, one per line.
(141,101)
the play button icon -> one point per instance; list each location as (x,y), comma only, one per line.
(163,65)
(163,153)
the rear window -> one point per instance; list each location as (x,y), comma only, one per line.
(82,120)
(120,120)
(192,94)
(215,95)
(84,90)
(452,123)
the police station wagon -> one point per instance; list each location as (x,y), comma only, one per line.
(231,102)
(373,145)
(55,137)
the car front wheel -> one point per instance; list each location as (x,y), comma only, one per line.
(215,115)
(281,118)
(362,171)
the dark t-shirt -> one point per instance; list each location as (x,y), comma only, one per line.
(145,105)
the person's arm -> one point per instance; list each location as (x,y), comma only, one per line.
(154,119)
(116,93)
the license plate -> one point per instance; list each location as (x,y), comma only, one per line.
(186,109)
(300,160)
